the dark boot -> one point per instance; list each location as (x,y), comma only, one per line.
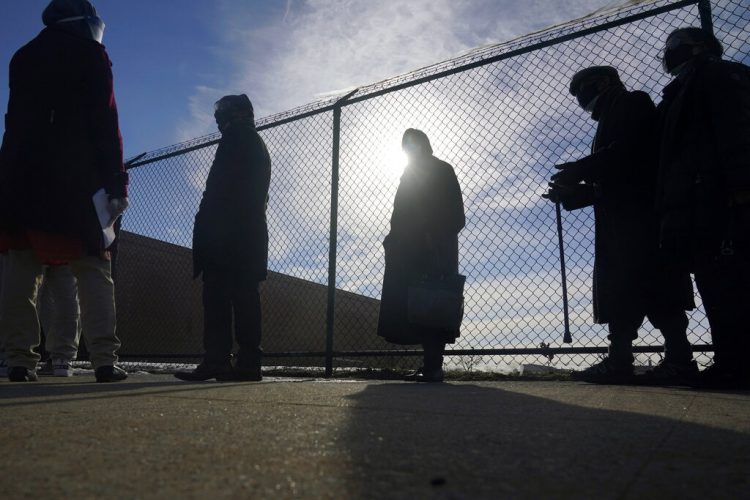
(110,373)
(616,368)
(670,373)
(721,377)
(21,374)
(248,365)
(207,371)
(433,363)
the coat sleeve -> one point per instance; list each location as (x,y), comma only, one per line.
(104,125)
(633,147)
(446,214)
(727,87)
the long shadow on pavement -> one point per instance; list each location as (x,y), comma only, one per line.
(472,441)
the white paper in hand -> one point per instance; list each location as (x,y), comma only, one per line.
(101,200)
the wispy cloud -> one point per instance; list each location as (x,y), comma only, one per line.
(319,46)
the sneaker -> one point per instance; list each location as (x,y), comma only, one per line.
(605,372)
(668,373)
(62,368)
(412,376)
(21,374)
(110,373)
(721,378)
(206,371)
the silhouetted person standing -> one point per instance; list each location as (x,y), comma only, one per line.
(630,280)
(230,245)
(704,191)
(62,145)
(428,214)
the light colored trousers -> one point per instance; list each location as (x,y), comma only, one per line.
(58,311)
(19,322)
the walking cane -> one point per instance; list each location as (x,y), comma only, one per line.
(567,339)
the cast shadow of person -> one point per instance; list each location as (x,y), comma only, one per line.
(478,441)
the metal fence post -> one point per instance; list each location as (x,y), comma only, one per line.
(333,238)
(704,10)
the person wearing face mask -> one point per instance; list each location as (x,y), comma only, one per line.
(230,246)
(704,191)
(428,214)
(61,145)
(630,281)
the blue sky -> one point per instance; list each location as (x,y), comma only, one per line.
(174,58)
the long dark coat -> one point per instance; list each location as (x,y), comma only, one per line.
(704,160)
(629,275)
(231,233)
(62,141)
(428,214)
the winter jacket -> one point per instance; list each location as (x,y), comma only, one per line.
(428,214)
(62,141)
(629,275)
(230,230)
(704,160)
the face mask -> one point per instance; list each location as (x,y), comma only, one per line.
(676,53)
(589,108)
(588,95)
(91,27)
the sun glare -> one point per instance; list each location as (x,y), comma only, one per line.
(394,161)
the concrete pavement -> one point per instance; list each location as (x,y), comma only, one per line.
(155,437)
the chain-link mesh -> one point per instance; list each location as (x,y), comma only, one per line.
(502,116)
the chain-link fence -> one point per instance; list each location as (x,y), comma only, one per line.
(502,116)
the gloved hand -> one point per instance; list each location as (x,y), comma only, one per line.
(552,194)
(571,197)
(117,206)
(569,173)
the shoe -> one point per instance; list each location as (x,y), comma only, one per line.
(57,367)
(46,370)
(62,368)
(412,376)
(605,372)
(431,376)
(721,378)
(110,373)
(247,374)
(21,374)
(206,371)
(668,373)
(3,368)
(422,375)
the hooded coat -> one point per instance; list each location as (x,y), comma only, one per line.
(231,233)
(62,141)
(428,214)
(704,160)
(629,275)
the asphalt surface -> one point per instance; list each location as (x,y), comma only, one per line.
(155,437)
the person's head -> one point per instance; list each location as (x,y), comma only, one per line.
(685,44)
(231,108)
(76,16)
(589,83)
(415,143)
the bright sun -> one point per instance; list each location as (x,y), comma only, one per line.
(394,161)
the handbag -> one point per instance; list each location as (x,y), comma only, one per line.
(437,302)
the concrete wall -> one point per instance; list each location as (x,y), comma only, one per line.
(159,309)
